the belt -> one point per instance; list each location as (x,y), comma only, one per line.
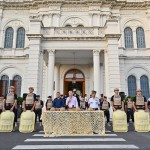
(95,108)
(9,104)
(29,104)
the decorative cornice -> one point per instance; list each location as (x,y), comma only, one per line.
(34,36)
(26,4)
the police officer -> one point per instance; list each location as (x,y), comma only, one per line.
(1,103)
(49,103)
(129,109)
(139,101)
(94,102)
(10,102)
(105,105)
(117,101)
(38,109)
(29,100)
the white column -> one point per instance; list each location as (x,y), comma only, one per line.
(14,38)
(134,38)
(57,78)
(50,19)
(138,83)
(90,19)
(51,64)
(96,67)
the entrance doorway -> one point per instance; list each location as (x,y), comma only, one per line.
(78,86)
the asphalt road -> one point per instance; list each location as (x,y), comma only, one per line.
(112,140)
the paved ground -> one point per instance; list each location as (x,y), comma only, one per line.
(35,140)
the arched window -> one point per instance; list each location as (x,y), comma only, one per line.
(68,25)
(128,37)
(140,37)
(9,38)
(80,25)
(16,82)
(132,85)
(20,38)
(145,85)
(4,83)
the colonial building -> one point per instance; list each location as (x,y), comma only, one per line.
(58,45)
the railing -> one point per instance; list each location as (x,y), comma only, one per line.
(73,32)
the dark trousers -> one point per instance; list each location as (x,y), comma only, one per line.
(38,113)
(16,114)
(130,114)
(107,114)
(0,111)
(86,105)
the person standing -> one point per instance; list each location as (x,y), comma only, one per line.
(38,109)
(29,100)
(86,101)
(58,102)
(10,102)
(129,109)
(139,101)
(49,103)
(82,103)
(117,101)
(105,105)
(94,102)
(1,103)
(71,101)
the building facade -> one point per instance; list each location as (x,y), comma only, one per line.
(98,44)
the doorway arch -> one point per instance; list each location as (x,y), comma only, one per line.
(79,86)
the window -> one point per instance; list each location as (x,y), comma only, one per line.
(20,38)
(9,38)
(128,37)
(80,25)
(4,83)
(132,85)
(145,85)
(16,82)
(68,25)
(140,37)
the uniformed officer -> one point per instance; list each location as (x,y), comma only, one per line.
(94,102)
(29,100)
(1,103)
(105,105)
(38,109)
(10,102)
(139,101)
(129,109)
(49,103)
(117,101)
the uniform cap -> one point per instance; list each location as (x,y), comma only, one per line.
(116,89)
(49,97)
(93,92)
(139,90)
(31,88)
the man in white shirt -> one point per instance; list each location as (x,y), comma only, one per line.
(71,101)
(94,102)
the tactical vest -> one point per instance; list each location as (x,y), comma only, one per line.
(140,102)
(105,105)
(10,98)
(30,99)
(38,105)
(129,105)
(49,104)
(117,100)
(1,102)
